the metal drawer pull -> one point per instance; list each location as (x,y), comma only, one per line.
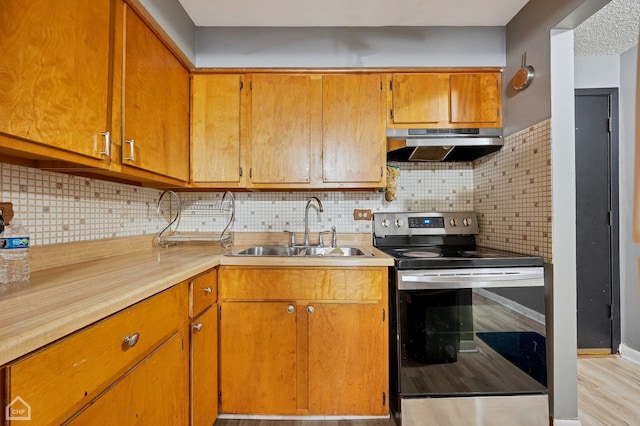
(130,341)
(310,309)
(291,309)
(197,327)
(208,290)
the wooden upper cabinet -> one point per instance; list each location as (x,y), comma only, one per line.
(416,98)
(442,99)
(215,129)
(156,104)
(353,129)
(282,112)
(475,98)
(55,74)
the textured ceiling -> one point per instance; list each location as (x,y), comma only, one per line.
(610,31)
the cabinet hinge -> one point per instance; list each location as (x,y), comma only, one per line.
(383,315)
(391,85)
(220,313)
(240,171)
(241,85)
(251,85)
(250,172)
(220,397)
(384,398)
(381,88)
(391,113)
(609,124)
(608,218)
(610,311)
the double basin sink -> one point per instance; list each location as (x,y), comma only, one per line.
(300,251)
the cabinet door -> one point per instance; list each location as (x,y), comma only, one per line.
(416,98)
(204,368)
(215,128)
(475,98)
(281,129)
(353,128)
(258,358)
(347,369)
(154,392)
(156,104)
(54,73)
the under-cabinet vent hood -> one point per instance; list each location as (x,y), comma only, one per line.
(442,144)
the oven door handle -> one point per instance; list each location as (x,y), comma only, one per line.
(443,280)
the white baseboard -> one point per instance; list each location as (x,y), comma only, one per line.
(557,422)
(627,353)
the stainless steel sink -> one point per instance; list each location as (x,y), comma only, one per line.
(284,251)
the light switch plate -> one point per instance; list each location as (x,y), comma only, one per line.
(362,214)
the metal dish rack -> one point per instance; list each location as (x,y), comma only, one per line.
(171,234)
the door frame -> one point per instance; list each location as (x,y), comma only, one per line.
(614,205)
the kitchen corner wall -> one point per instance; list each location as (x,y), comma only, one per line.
(513,194)
(58,208)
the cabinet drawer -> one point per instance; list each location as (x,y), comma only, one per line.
(203,292)
(57,380)
(366,284)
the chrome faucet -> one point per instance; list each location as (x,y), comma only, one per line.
(306,217)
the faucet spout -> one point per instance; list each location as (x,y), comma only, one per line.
(306,217)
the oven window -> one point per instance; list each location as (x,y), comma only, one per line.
(468,342)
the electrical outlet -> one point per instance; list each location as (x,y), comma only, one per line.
(362,214)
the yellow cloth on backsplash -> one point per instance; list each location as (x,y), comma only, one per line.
(392,181)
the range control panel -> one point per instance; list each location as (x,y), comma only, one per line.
(425,223)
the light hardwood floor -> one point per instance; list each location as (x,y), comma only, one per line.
(608,391)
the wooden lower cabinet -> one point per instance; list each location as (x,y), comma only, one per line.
(204,368)
(129,367)
(258,358)
(322,352)
(154,392)
(347,369)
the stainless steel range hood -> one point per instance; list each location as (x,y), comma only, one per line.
(465,144)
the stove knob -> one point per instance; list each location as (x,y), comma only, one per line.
(386,223)
(452,221)
(399,223)
(466,222)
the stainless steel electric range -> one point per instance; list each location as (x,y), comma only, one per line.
(467,323)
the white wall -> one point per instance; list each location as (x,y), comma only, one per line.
(597,71)
(629,252)
(563,194)
(350,47)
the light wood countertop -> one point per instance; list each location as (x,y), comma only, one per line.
(60,300)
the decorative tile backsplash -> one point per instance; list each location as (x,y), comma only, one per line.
(513,194)
(510,190)
(59,208)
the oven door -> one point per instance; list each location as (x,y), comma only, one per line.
(469,332)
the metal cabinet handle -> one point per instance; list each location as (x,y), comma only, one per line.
(208,290)
(130,341)
(132,152)
(107,144)
(197,327)
(291,309)
(310,309)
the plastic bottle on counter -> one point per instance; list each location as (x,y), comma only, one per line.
(14,254)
